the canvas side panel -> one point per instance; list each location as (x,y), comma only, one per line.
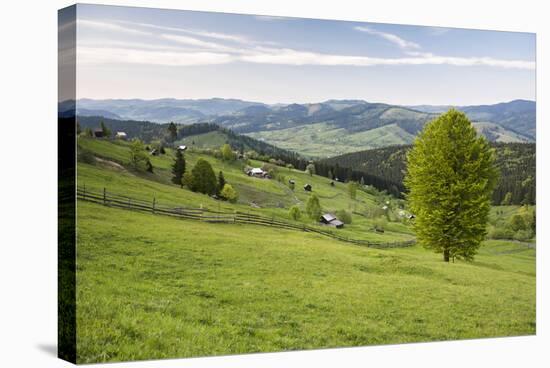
(66,135)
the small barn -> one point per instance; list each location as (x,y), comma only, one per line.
(292,182)
(308,187)
(98,133)
(121,135)
(330,220)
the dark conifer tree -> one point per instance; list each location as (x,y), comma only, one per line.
(178,168)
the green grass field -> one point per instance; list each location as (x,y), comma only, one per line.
(155,287)
(151,286)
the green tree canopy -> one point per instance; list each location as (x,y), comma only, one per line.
(295,213)
(517,223)
(450,175)
(310,169)
(313,207)
(138,156)
(229,193)
(203,178)
(507,199)
(227,153)
(352,189)
(178,168)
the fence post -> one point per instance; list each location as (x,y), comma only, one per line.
(154,201)
(104,196)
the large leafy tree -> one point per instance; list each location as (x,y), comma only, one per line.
(227,153)
(352,189)
(450,176)
(313,207)
(203,179)
(138,156)
(178,168)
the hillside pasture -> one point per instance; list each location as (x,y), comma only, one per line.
(151,287)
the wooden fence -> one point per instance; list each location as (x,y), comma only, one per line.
(207,215)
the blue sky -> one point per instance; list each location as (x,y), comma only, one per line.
(125,52)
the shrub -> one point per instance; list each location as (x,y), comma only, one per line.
(228,193)
(380,223)
(271,169)
(344,216)
(523,235)
(500,233)
(295,213)
(517,223)
(86,156)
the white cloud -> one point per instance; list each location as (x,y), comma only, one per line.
(402,43)
(201,33)
(270,18)
(184,50)
(296,57)
(110,55)
(186,40)
(111,27)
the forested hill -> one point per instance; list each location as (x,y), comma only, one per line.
(516,162)
(148,132)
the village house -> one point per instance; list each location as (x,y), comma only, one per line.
(308,187)
(182,148)
(331,220)
(98,133)
(121,135)
(257,173)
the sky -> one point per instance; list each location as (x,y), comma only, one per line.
(128,52)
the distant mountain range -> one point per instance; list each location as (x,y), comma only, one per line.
(160,111)
(320,129)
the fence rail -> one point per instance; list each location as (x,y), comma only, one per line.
(206,215)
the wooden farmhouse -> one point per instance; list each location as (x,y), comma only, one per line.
(330,220)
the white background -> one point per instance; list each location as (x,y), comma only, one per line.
(28,181)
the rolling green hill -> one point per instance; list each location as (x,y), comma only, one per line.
(267,197)
(151,286)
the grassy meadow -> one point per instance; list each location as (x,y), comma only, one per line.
(155,287)
(151,286)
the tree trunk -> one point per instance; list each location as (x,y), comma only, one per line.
(446,255)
